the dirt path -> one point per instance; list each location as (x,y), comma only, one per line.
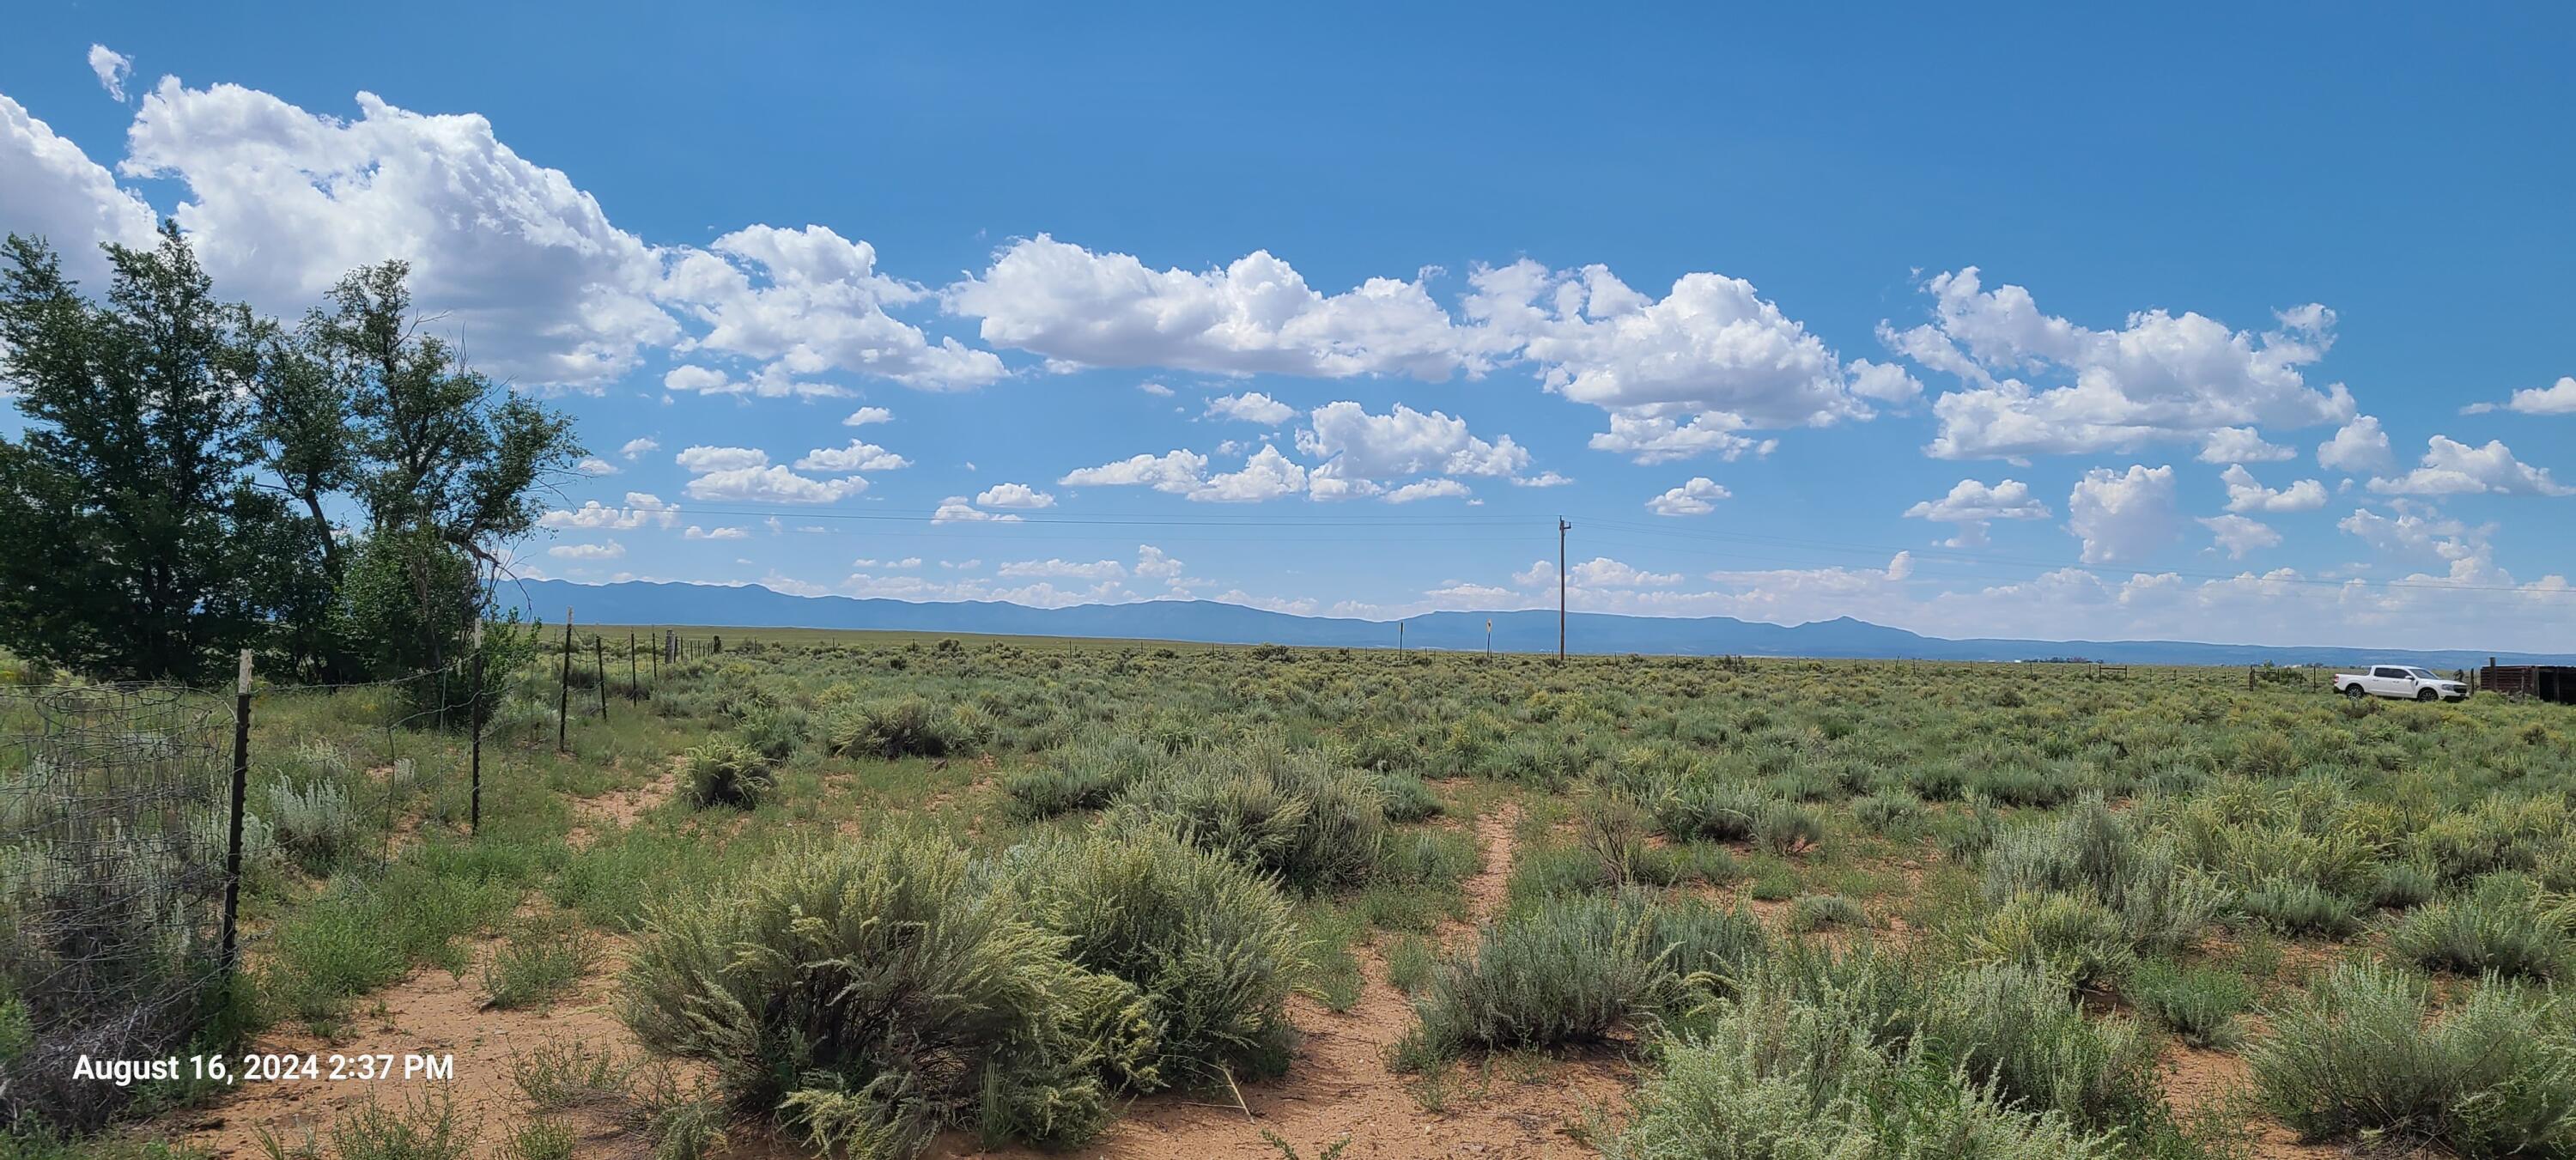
(2197,1079)
(1339,1085)
(432,1012)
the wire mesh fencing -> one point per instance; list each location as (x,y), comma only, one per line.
(113,833)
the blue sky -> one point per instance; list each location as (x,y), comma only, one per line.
(2196,322)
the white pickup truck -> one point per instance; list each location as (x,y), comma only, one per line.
(2402,681)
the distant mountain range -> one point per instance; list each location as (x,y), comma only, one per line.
(1204,621)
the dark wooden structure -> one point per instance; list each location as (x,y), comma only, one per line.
(2546,682)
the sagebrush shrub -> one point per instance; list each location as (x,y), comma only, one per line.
(2496,927)
(1209,944)
(2362,1052)
(902,727)
(1572,970)
(1085,775)
(2296,907)
(1709,811)
(1286,811)
(314,824)
(1406,798)
(1772,1074)
(2200,1004)
(867,995)
(2070,937)
(726,772)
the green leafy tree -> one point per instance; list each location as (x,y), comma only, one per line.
(133,531)
(196,479)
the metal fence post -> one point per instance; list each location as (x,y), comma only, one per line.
(563,687)
(634,676)
(474,723)
(233,843)
(599,659)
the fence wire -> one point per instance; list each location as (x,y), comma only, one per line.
(113,831)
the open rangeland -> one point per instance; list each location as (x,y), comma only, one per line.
(888,896)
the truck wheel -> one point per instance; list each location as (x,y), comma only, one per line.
(2428,695)
(2354,692)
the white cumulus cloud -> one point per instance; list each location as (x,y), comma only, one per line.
(1696,497)
(2122,516)
(2451,467)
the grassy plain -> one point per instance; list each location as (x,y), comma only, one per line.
(893,892)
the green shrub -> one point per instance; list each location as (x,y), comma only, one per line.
(2092,854)
(903,727)
(2200,1004)
(1406,797)
(2361,1055)
(1709,811)
(1787,828)
(1285,811)
(542,959)
(1890,814)
(1086,775)
(1772,1075)
(726,772)
(2296,907)
(2071,938)
(776,734)
(1572,971)
(2014,1027)
(2496,927)
(872,993)
(2404,884)
(1815,911)
(314,825)
(1210,946)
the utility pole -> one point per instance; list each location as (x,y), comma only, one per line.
(1562,527)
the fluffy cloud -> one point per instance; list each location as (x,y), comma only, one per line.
(611,550)
(1662,440)
(1266,475)
(1152,564)
(1360,450)
(2417,531)
(955,510)
(2244,494)
(2160,378)
(2122,516)
(1251,407)
(771,485)
(866,415)
(595,466)
(521,265)
(641,508)
(698,533)
(2242,445)
(1696,497)
(2358,447)
(808,300)
(1095,570)
(774,381)
(638,447)
(2558,398)
(1177,472)
(52,190)
(1257,315)
(2451,467)
(111,68)
(703,458)
(858,456)
(1428,489)
(1014,495)
(1597,572)
(1973,505)
(1710,358)
(2240,535)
